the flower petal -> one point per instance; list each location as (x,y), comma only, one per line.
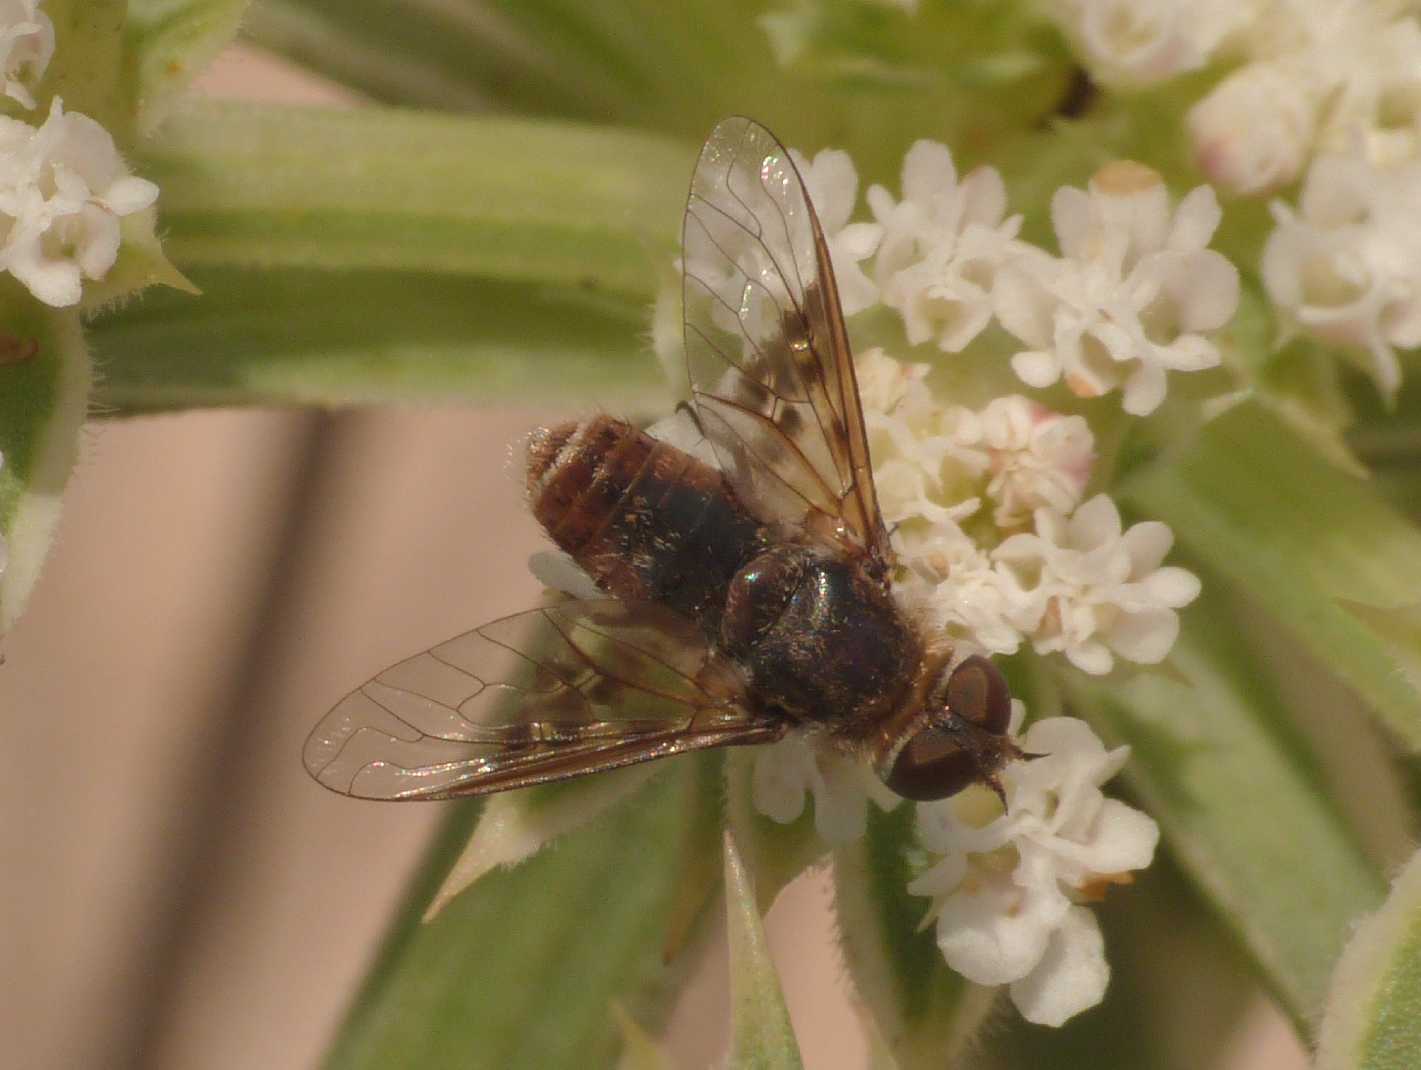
(1071,976)
(995,931)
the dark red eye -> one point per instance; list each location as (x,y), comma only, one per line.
(931,765)
(978,692)
(966,745)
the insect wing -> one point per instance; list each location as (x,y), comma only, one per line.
(544,695)
(767,353)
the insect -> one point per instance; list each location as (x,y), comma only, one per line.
(744,599)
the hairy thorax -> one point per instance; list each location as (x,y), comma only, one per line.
(821,640)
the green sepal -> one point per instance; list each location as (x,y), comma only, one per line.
(141,263)
(761,1037)
(516,825)
(45,376)
(1373,1019)
(166,44)
(924,1013)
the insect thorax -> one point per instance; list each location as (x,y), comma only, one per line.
(820,640)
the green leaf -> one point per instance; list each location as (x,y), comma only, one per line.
(516,825)
(288,337)
(166,43)
(439,57)
(977,71)
(524,969)
(1306,540)
(1373,1017)
(1240,801)
(761,1035)
(923,1012)
(45,375)
(589,207)
(617,60)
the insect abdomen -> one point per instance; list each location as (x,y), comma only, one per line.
(644,519)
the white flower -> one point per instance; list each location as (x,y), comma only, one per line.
(63,189)
(26,47)
(921,472)
(1036,457)
(952,586)
(1094,591)
(842,785)
(1131,296)
(1336,77)
(833,185)
(1346,266)
(1006,889)
(1141,42)
(1370,65)
(942,246)
(886,384)
(1254,132)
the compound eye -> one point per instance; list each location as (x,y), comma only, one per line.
(931,765)
(977,692)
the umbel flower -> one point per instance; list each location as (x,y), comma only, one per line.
(1007,893)
(997,545)
(1343,266)
(63,191)
(1327,92)
(1133,296)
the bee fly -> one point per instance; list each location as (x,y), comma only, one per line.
(745,599)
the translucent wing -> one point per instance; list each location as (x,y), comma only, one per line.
(545,695)
(772,375)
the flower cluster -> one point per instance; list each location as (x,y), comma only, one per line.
(1007,887)
(1314,76)
(998,545)
(1320,77)
(1344,267)
(1132,296)
(63,190)
(941,247)
(1328,91)
(1141,42)
(787,773)
(26,47)
(993,543)
(63,185)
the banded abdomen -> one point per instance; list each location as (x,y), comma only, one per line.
(644,519)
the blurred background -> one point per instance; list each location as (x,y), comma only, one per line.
(178,893)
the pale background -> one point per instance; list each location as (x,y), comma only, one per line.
(178,894)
